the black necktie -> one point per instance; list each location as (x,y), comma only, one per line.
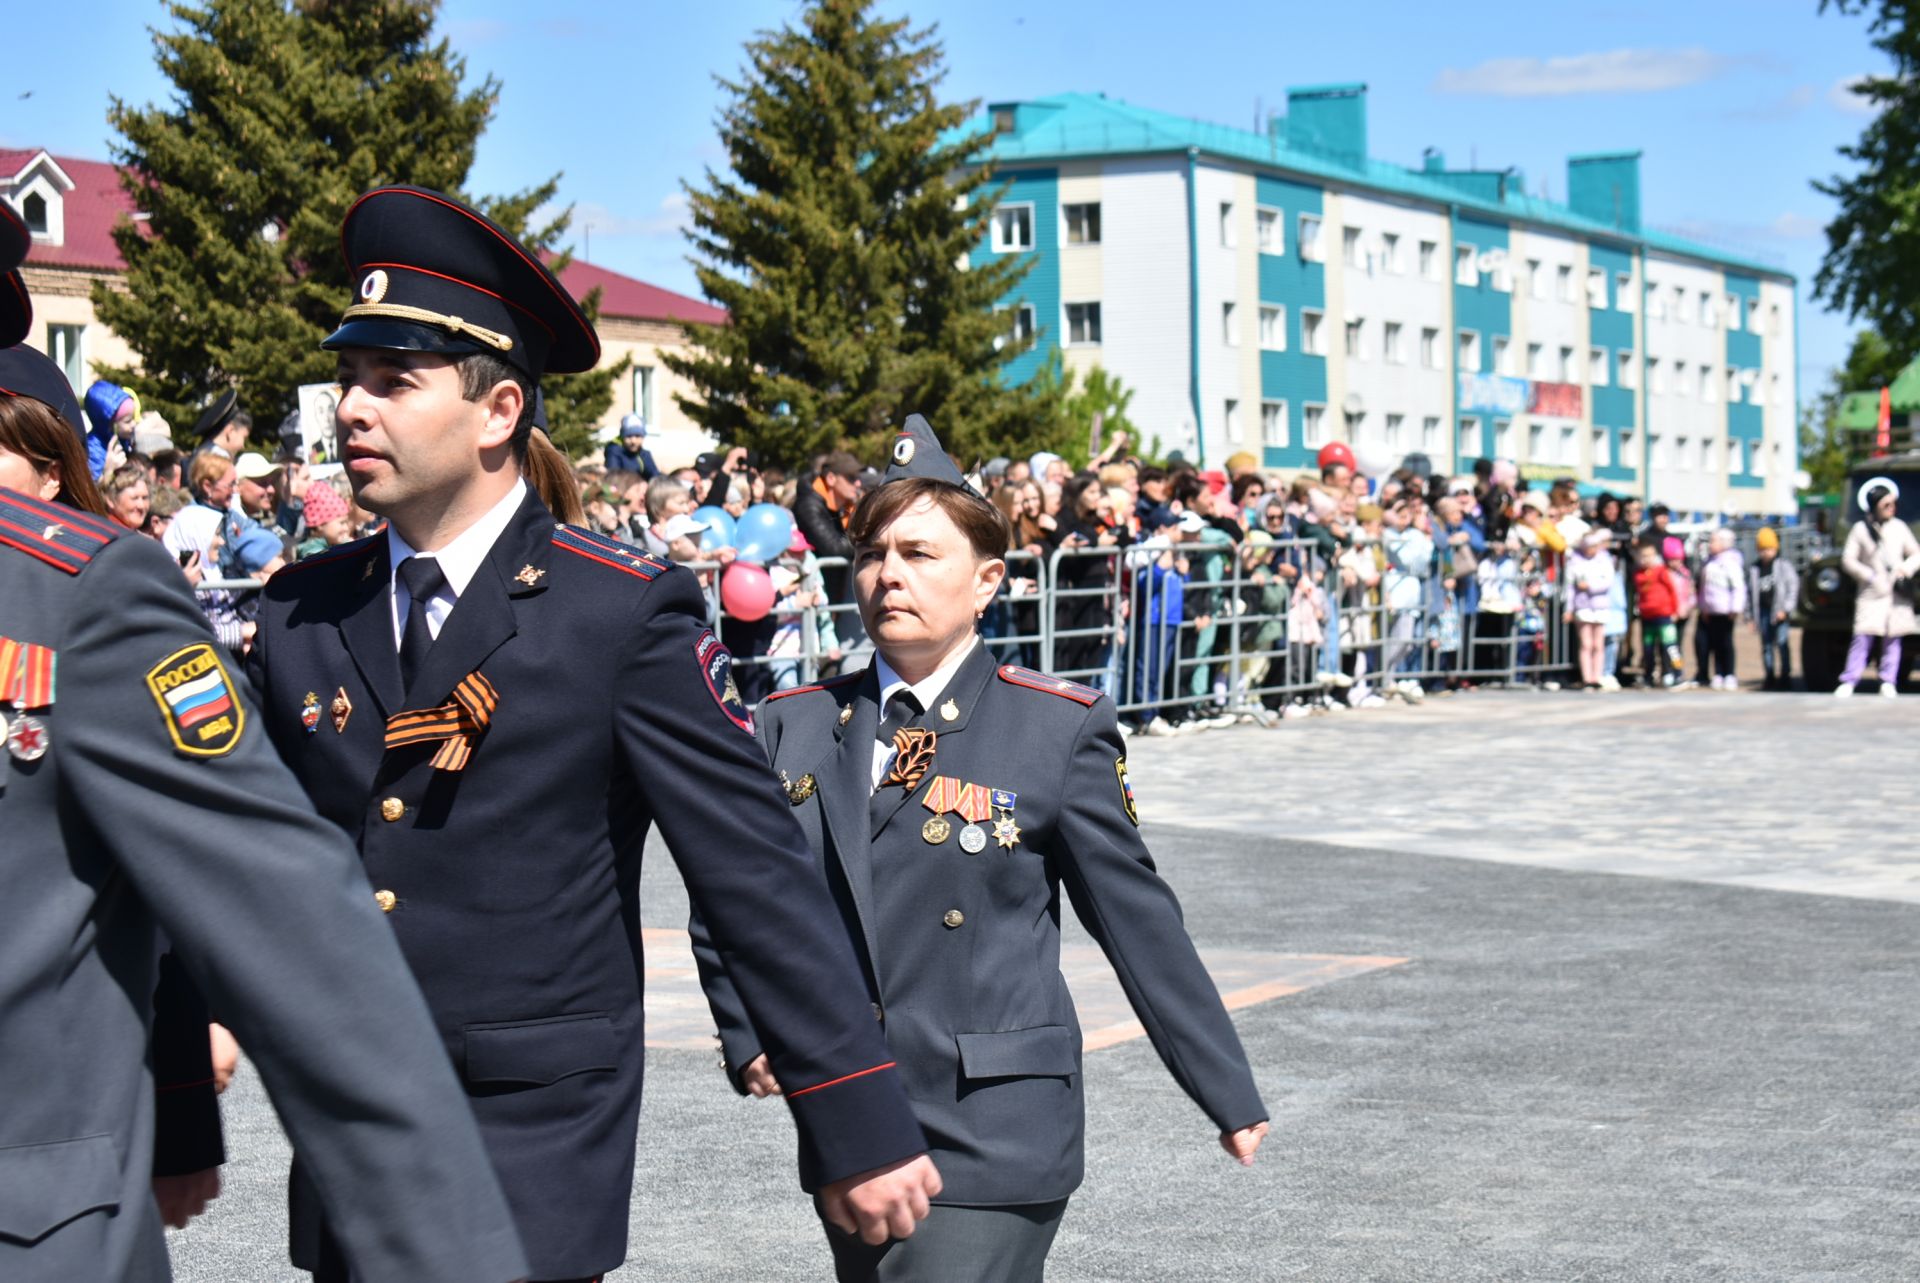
(423,578)
(901,709)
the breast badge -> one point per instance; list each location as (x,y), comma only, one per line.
(310,712)
(798,790)
(341,709)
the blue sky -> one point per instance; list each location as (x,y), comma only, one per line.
(1736,105)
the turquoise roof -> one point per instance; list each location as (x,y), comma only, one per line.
(1075,126)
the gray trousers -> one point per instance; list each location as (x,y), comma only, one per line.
(956,1245)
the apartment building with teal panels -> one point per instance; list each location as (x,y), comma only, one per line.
(1270,292)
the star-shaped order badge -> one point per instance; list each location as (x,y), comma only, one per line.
(1006,832)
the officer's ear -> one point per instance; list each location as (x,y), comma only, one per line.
(50,483)
(988,574)
(503,403)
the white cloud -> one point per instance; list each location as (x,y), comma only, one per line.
(1619,71)
(669,219)
(1843,97)
(465,32)
(1796,227)
(1789,225)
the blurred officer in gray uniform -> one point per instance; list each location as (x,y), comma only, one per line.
(950,801)
(138,793)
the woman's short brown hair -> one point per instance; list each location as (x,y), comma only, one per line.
(31,429)
(986,530)
(206,468)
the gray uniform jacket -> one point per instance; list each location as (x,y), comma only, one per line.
(963,950)
(160,805)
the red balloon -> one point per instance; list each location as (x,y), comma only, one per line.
(746,591)
(1337,452)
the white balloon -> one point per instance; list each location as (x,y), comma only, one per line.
(1374,460)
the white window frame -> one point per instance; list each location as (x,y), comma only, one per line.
(1656,305)
(1623,292)
(1537,279)
(1231,418)
(1709,384)
(1568,366)
(1536,442)
(1313,331)
(1597,289)
(1350,251)
(1024,318)
(1563,282)
(1093,315)
(1598,440)
(1230,323)
(1464,341)
(1656,376)
(1354,338)
(1308,239)
(1066,220)
(1393,342)
(1503,438)
(1503,355)
(1429,264)
(1626,447)
(1569,446)
(997,241)
(1390,256)
(1683,456)
(67,348)
(1734,317)
(1461,429)
(1598,375)
(1313,425)
(1274,413)
(1273,327)
(1709,310)
(1432,355)
(1430,434)
(1396,427)
(1270,229)
(1229,231)
(1466,266)
(1537,362)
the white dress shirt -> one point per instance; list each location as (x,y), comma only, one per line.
(926,691)
(459,561)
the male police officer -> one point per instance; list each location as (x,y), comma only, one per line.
(499,707)
(138,793)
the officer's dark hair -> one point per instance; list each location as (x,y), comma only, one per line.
(30,429)
(544,467)
(982,523)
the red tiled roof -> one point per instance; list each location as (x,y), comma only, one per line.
(623,296)
(90,210)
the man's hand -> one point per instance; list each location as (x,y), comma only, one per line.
(1242,1144)
(758,1078)
(226,1056)
(736,459)
(887,1202)
(181,1198)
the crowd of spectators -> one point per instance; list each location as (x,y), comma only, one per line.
(1340,591)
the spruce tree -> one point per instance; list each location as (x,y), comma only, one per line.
(837,242)
(283,112)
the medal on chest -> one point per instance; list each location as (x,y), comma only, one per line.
(26,684)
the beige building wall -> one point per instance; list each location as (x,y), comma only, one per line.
(64,297)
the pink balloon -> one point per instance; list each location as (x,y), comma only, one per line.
(746,591)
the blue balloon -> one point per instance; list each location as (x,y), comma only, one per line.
(763,532)
(720,531)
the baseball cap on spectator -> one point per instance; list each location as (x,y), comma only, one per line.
(1535,500)
(632,425)
(799,541)
(1765,537)
(324,504)
(995,467)
(1191,523)
(683,525)
(253,465)
(1460,485)
(1596,537)
(1241,461)
(1672,549)
(707,464)
(1160,516)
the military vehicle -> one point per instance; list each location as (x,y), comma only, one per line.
(1825,612)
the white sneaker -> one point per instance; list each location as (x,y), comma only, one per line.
(1608,682)
(1843,691)
(1413,691)
(1220,721)
(1888,689)
(1126,731)
(1341,680)
(1160,726)
(1371,701)
(1294,711)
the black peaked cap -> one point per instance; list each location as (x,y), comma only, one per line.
(25,372)
(432,275)
(16,309)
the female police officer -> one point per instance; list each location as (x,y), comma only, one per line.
(949,799)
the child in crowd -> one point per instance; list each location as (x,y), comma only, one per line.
(1590,576)
(1306,631)
(328,524)
(1499,578)
(1265,596)
(1684,597)
(1361,567)
(1654,589)
(797,586)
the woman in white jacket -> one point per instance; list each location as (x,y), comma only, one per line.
(1882,556)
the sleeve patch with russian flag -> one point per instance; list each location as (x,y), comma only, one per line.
(716,667)
(198,701)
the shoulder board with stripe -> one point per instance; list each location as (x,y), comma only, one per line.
(1038,681)
(343,552)
(608,552)
(832,683)
(62,537)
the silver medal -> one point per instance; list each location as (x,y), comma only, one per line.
(973,839)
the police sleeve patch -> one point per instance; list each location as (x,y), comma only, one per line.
(716,667)
(198,701)
(1126,790)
